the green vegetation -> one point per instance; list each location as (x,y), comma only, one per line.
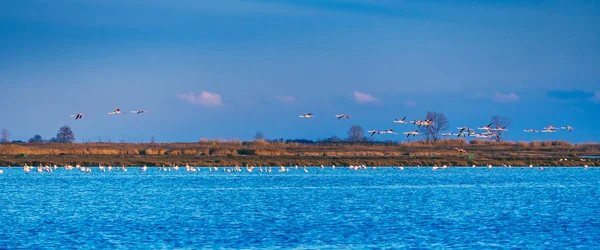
(229,153)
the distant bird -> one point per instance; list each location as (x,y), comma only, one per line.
(550,127)
(463,134)
(420,123)
(309,115)
(452,134)
(389,131)
(530,131)
(462,129)
(486,127)
(547,130)
(483,136)
(569,128)
(413,133)
(498,128)
(402,121)
(77,116)
(428,122)
(373,132)
(139,111)
(342,116)
(460,150)
(116,112)
(416,122)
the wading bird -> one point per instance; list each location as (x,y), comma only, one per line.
(309,115)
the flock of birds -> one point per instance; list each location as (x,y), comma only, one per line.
(115,112)
(236,169)
(550,129)
(486,132)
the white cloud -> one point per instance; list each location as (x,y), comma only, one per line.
(364,98)
(205,98)
(596,97)
(505,98)
(285,99)
(410,104)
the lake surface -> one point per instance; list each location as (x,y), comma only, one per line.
(341,208)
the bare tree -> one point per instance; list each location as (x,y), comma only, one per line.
(5,136)
(435,130)
(259,136)
(500,124)
(65,135)
(356,134)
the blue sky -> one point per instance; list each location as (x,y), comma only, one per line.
(227,69)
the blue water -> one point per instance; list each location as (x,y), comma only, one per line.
(341,208)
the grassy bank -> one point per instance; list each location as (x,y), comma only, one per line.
(229,153)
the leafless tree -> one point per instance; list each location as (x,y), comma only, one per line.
(5,136)
(500,123)
(259,136)
(434,131)
(356,134)
(65,135)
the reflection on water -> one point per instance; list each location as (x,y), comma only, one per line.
(512,208)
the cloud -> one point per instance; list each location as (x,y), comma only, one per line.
(505,98)
(481,95)
(364,98)
(205,98)
(570,94)
(410,104)
(285,99)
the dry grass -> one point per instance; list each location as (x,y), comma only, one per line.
(222,153)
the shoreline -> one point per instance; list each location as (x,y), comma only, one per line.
(215,153)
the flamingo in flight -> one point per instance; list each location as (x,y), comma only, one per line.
(487,127)
(116,112)
(373,132)
(342,116)
(401,121)
(413,133)
(568,128)
(77,116)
